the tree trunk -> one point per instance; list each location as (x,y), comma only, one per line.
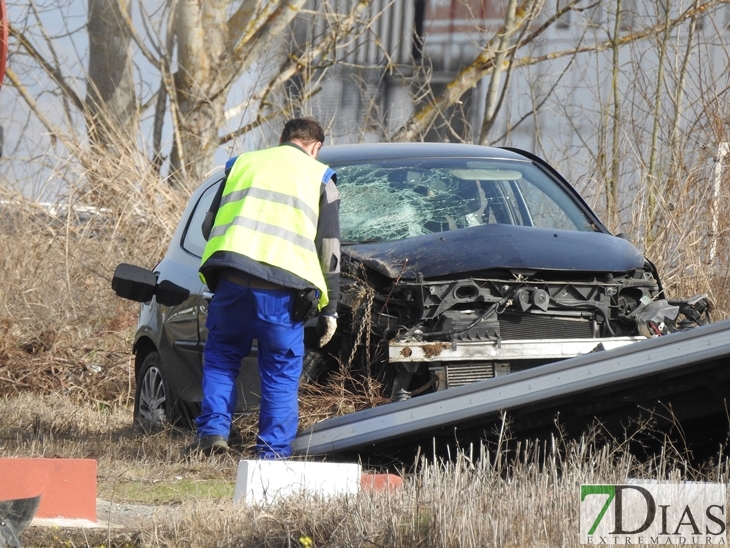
(490,103)
(212,53)
(110,95)
(612,182)
(200,29)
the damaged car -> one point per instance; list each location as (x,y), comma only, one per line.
(459,263)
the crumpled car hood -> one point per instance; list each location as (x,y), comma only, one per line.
(497,246)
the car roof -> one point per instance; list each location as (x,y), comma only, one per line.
(393,151)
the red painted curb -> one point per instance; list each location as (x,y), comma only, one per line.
(67,486)
(380,482)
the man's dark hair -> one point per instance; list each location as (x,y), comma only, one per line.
(304,129)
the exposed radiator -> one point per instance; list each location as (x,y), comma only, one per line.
(538,326)
(458,374)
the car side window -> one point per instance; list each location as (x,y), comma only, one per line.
(546,213)
(193,241)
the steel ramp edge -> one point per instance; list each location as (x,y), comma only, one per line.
(490,397)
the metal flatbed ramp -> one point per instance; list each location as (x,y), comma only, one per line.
(683,377)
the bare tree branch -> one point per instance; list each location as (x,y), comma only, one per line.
(54,72)
(295,65)
(483,65)
(52,128)
(535,108)
(490,103)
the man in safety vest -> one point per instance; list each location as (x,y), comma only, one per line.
(273,261)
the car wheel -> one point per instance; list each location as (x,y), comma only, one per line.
(316,368)
(154,402)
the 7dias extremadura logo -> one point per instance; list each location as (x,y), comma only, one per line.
(653,513)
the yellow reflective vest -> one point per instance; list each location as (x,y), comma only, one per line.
(269,212)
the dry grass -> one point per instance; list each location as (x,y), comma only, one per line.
(341,395)
(62,329)
(676,220)
(527,496)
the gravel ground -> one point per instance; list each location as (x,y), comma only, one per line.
(118,525)
(128,516)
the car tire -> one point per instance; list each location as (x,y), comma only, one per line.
(316,368)
(155,404)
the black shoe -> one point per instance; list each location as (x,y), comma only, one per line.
(208,445)
(235,440)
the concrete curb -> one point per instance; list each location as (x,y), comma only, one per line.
(67,486)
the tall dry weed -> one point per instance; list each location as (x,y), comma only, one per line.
(524,498)
(62,329)
(679,218)
(688,240)
(500,494)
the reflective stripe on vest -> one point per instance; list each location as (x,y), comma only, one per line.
(269,212)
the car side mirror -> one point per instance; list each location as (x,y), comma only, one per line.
(140,284)
(134,283)
(171,294)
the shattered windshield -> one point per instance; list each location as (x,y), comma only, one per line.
(411,197)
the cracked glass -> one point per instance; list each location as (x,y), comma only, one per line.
(405,198)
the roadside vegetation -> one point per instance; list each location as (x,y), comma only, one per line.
(66,370)
(483,496)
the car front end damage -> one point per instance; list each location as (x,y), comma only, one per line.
(418,329)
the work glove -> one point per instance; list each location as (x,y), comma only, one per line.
(326,327)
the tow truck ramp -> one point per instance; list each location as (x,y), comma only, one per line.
(681,380)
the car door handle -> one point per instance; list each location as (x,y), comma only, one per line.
(207,295)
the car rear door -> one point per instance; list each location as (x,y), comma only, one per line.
(193,243)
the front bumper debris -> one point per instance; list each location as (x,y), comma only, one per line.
(426,352)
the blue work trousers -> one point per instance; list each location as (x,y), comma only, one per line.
(237,315)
